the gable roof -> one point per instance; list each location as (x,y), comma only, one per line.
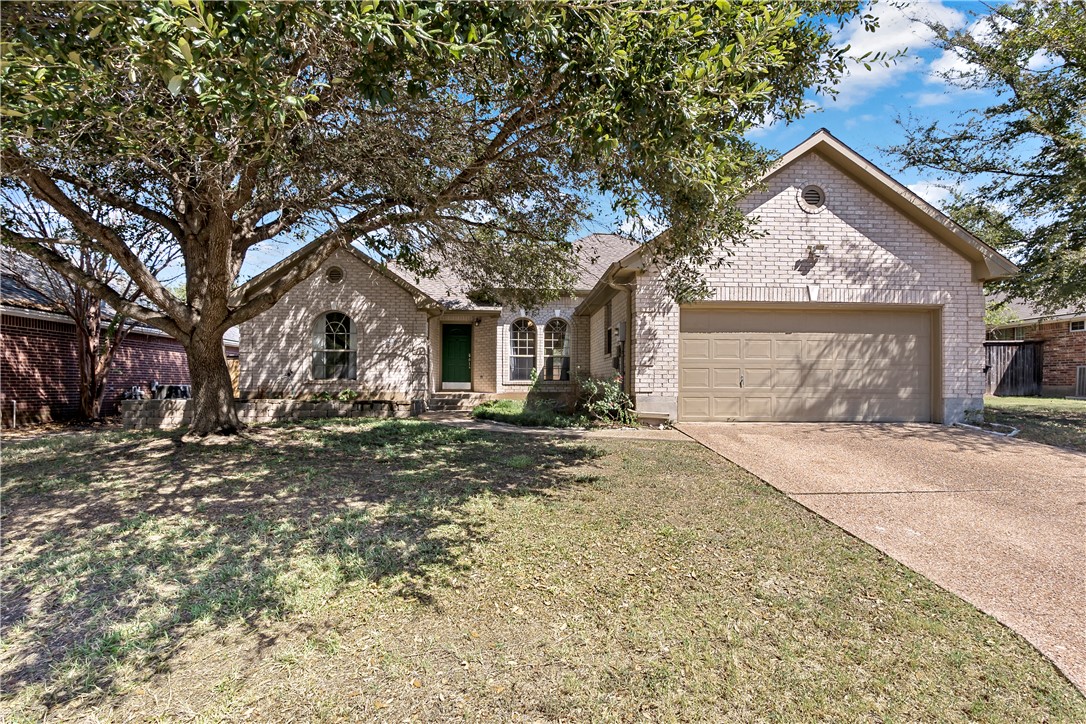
(988,264)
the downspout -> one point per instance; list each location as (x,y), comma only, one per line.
(627,358)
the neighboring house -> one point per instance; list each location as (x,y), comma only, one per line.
(859,302)
(38,353)
(1062,334)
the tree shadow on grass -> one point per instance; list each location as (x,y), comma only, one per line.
(115,548)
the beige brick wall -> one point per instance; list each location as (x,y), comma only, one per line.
(393,353)
(601,364)
(873,255)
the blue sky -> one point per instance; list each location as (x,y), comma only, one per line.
(865,111)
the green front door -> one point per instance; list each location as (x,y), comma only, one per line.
(456,355)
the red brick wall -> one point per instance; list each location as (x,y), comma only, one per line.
(1064,350)
(38,369)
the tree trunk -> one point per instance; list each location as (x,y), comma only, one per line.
(87,345)
(212,392)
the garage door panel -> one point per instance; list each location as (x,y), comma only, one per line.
(695,408)
(758,408)
(727,407)
(726,378)
(694,349)
(755,377)
(757,348)
(810,379)
(695,378)
(814,366)
(788,349)
(726,349)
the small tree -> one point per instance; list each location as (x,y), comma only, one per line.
(473,134)
(99,334)
(1027,151)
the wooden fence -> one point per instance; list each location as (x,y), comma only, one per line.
(234,365)
(1014,368)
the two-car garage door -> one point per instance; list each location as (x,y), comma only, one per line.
(805,366)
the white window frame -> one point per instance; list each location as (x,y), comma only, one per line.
(348,348)
(1080,322)
(522,348)
(560,360)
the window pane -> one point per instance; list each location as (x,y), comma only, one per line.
(333,348)
(521,349)
(520,368)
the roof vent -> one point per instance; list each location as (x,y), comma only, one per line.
(813,196)
(334,275)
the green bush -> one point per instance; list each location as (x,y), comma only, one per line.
(605,400)
(538,413)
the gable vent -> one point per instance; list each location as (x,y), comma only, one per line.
(814,196)
(334,275)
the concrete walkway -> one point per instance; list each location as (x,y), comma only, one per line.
(1000,522)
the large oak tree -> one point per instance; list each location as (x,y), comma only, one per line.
(1021,160)
(472,134)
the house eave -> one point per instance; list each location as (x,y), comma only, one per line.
(1035,321)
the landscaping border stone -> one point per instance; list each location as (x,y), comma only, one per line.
(173,414)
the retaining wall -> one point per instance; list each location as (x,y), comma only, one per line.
(171,414)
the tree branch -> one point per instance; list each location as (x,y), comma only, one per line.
(39,249)
(44,188)
(120,202)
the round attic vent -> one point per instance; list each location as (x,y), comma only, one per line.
(334,275)
(813,196)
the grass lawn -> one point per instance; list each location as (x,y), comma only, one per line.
(396,569)
(1051,420)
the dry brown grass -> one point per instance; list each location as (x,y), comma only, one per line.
(1051,420)
(363,569)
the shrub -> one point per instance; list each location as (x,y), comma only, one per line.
(519,412)
(604,399)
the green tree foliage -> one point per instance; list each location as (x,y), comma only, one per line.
(470,134)
(1026,153)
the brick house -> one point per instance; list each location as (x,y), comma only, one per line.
(858,302)
(39,376)
(1063,337)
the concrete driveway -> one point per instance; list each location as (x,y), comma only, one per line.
(1000,522)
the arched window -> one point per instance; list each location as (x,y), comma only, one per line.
(334,346)
(556,350)
(521,349)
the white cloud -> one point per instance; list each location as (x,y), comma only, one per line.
(949,66)
(935,193)
(864,119)
(763,126)
(899,29)
(935,98)
(641,228)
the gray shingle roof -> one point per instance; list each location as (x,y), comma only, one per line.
(595,253)
(1026,312)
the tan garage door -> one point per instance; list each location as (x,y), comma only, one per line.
(805,366)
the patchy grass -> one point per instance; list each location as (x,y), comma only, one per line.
(1051,420)
(517,412)
(396,569)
